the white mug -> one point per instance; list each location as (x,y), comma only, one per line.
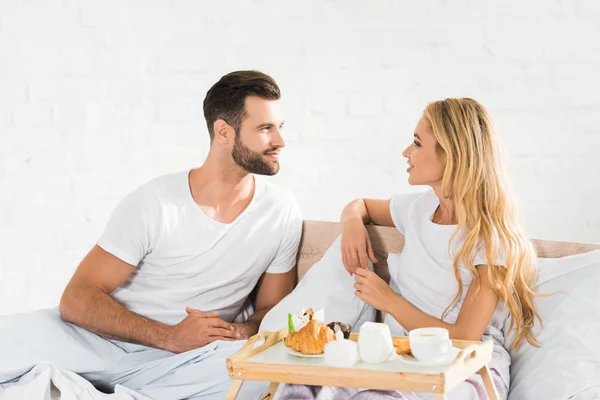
(375,342)
(429,344)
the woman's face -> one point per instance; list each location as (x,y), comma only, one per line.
(424,165)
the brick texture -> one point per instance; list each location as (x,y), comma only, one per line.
(97,97)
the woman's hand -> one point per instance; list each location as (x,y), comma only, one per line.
(356,245)
(373,290)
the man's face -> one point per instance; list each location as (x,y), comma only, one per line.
(258,142)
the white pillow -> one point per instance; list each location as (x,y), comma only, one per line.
(567,366)
(326,285)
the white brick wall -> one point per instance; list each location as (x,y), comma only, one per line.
(96,97)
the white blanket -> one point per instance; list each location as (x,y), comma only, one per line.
(42,356)
(47,382)
(326,285)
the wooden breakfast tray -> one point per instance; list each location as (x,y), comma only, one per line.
(265,358)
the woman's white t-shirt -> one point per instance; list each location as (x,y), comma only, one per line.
(424,274)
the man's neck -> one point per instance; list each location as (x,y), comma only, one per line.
(214,186)
(221,192)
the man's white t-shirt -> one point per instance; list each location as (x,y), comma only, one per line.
(184,258)
(424,272)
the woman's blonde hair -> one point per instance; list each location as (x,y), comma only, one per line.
(486,215)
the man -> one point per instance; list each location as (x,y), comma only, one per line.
(153,305)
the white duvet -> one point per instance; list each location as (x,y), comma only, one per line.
(47,382)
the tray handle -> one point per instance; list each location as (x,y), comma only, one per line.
(258,343)
(467,355)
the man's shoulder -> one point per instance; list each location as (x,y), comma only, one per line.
(166,181)
(158,189)
(275,193)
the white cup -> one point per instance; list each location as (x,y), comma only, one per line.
(429,344)
(375,342)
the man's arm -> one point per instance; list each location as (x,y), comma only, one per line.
(280,278)
(86,302)
(271,289)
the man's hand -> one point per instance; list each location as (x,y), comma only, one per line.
(198,329)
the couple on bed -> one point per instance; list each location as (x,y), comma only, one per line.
(161,300)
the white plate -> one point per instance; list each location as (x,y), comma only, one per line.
(448,359)
(298,354)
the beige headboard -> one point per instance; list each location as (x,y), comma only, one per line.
(317,236)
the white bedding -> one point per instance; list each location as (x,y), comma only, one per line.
(326,285)
(567,366)
(81,359)
(47,382)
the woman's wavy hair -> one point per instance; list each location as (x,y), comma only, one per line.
(486,214)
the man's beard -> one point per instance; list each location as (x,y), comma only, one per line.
(252,161)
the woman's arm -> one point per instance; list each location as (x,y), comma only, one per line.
(368,211)
(474,316)
(356,245)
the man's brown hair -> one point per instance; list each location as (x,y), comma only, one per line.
(226,99)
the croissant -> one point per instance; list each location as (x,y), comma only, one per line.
(311,339)
(402,346)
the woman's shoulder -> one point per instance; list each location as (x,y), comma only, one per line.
(415,201)
(407,198)
(403,206)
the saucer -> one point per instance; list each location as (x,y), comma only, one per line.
(445,360)
(298,354)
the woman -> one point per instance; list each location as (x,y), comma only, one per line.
(466,265)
